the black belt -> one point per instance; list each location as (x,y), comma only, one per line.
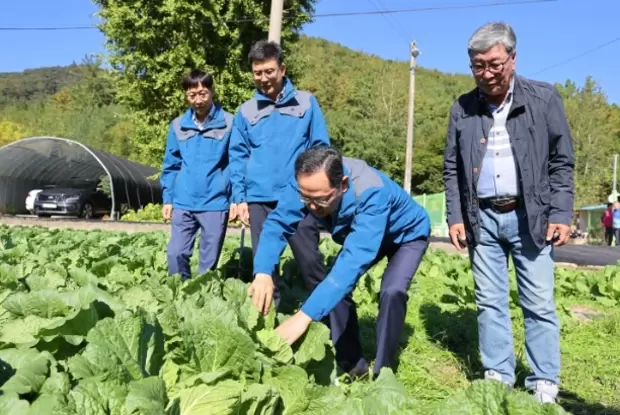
(501,205)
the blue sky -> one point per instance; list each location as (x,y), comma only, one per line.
(548,34)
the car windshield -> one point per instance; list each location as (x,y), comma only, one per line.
(73,184)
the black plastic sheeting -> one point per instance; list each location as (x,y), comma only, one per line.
(33,163)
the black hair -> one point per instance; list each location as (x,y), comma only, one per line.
(197,78)
(321,158)
(264,50)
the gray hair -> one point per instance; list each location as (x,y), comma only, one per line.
(492,34)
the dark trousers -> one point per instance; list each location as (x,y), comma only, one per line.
(185,226)
(609,236)
(342,321)
(617,233)
(403,262)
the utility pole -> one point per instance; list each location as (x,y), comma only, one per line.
(615,169)
(275,20)
(613,197)
(414,52)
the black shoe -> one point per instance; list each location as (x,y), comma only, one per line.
(360,369)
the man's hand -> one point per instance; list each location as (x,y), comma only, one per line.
(232,212)
(239,211)
(166,212)
(558,233)
(261,291)
(457,236)
(293,328)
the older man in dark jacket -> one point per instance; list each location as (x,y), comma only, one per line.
(508,172)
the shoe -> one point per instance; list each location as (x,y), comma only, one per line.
(360,369)
(493,375)
(545,391)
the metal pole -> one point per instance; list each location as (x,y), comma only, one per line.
(414,52)
(241,246)
(615,169)
(613,197)
(275,20)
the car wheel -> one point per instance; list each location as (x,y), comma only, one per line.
(87,211)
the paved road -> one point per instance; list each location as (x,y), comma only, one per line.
(582,255)
(588,255)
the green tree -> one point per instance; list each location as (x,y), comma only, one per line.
(595,127)
(11,131)
(153,43)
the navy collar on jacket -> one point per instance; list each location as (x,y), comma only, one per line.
(482,97)
(288,92)
(347,204)
(215,119)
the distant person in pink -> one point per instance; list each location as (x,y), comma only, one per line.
(607,223)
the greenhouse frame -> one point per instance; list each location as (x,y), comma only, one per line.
(37,162)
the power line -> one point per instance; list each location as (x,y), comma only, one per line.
(437,8)
(581,55)
(323,15)
(33,29)
(391,20)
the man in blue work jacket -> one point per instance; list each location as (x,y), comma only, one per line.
(372,218)
(269,132)
(195,177)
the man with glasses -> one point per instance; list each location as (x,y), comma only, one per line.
(269,131)
(372,217)
(195,177)
(508,173)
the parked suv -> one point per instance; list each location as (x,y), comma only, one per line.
(85,201)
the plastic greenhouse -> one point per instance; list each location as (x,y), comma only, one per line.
(33,163)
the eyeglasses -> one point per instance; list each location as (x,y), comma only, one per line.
(317,201)
(201,94)
(494,68)
(322,201)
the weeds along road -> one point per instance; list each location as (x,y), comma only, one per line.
(569,255)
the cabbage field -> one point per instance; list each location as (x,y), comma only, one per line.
(91,324)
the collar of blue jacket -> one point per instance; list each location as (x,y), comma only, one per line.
(215,119)
(343,216)
(288,92)
(195,166)
(374,212)
(266,140)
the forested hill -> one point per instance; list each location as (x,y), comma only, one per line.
(35,84)
(364,99)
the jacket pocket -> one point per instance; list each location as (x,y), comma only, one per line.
(259,134)
(543,191)
(536,156)
(210,150)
